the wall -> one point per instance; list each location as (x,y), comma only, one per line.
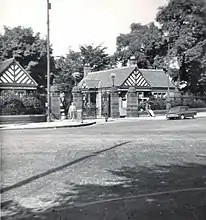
(21,119)
(163,112)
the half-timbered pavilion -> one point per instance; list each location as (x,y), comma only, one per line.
(14,77)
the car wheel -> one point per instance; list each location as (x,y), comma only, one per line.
(182,117)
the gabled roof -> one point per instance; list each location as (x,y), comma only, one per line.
(104,76)
(14,76)
(124,76)
(90,84)
(156,78)
(5,64)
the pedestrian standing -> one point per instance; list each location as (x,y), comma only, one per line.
(72,111)
(106,111)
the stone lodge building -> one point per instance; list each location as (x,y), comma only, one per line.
(123,88)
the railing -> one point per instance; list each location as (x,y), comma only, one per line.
(89,112)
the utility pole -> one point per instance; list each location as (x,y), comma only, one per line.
(168,75)
(48,65)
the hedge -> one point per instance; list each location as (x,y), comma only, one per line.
(12,103)
(160,104)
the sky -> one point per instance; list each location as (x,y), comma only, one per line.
(78,22)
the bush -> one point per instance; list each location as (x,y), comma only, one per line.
(157,104)
(175,103)
(197,103)
(192,103)
(14,104)
(10,104)
(32,105)
(141,106)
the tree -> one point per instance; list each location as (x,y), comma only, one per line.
(96,57)
(74,61)
(185,21)
(29,49)
(73,64)
(143,42)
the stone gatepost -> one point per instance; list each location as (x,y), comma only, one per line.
(77,100)
(132,102)
(55,103)
(99,104)
(114,103)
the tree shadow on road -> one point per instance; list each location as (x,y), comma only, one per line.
(176,190)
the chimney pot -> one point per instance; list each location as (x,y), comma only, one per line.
(87,70)
(132,61)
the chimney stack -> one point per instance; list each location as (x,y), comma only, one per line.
(87,70)
(132,61)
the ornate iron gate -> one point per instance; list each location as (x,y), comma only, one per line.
(106,101)
(89,109)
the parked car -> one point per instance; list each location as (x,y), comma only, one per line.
(180,112)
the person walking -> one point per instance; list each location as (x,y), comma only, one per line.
(168,106)
(149,111)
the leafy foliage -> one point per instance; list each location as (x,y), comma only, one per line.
(185,21)
(74,62)
(157,103)
(190,102)
(29,50)
(143,42)
(12,103)
(96,57)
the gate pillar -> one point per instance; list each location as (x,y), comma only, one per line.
(77,100)
(132,102)
(114,103)
(55,103)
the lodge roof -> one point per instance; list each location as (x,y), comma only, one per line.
(104,76)
(5,64)
(14,76)
(156,78)
(89,84)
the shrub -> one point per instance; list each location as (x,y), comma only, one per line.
(14,104)
(141,106)
(197,103)
(157,104)
(190,102)
(10,104)
(175,103)
(32,105)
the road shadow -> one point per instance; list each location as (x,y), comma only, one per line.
(174,192)
(53,170)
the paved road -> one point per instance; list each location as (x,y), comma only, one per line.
(159,166)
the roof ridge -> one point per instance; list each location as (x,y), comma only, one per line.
(4,61)
(118,68)
(152,69)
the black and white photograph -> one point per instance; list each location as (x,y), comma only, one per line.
(103,109)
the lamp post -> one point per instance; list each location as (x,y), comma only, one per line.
(113,75)
(48,66)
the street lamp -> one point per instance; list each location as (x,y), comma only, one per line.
(113,75)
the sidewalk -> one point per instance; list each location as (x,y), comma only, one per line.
(55,124)
(157,117)
(70,123)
